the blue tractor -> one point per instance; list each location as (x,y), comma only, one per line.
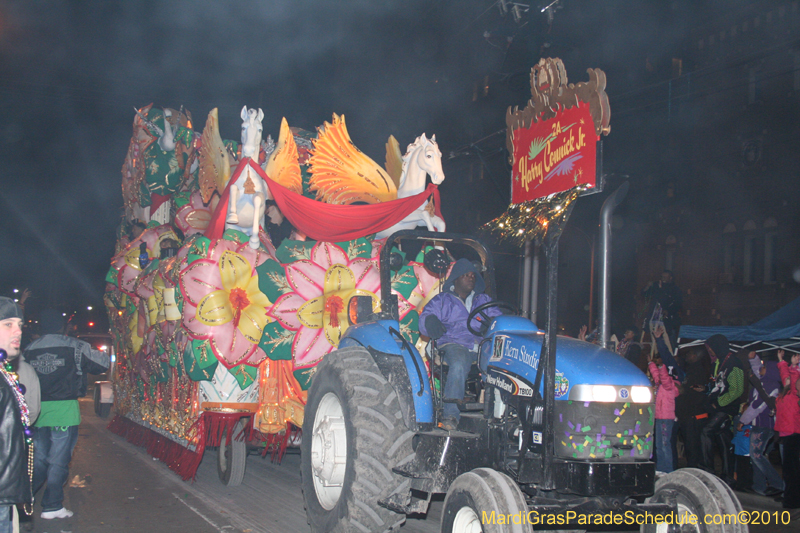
(547,441)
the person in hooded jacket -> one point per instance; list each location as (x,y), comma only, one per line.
(723,403)
(445,319)
(760,415)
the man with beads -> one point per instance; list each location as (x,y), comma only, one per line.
(62,364)
(15,467)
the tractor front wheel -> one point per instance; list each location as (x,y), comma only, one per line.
(482,501)
(697,493)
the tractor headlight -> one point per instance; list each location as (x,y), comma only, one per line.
(641,395)
(604,393)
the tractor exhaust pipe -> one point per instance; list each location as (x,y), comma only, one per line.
(609,206)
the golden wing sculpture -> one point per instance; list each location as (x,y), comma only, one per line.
(215,165)
(283,166)
(342,174)
(394,160)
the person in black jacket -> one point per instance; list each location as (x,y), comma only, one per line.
(15,481)
(723,404)
(692,414)
(62,364)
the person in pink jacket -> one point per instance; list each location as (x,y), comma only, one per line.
(787,424)
(666,393)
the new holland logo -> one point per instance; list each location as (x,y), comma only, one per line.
(509,384)
(47,363)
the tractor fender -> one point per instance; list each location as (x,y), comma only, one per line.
(401,365)
(394,370)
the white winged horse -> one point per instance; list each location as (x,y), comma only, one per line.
(422,158)
(249,193)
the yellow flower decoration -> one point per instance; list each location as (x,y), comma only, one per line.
(239,301)
(329,311)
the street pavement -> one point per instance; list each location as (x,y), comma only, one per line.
(115,486)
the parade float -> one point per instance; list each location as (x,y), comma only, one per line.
(218,330)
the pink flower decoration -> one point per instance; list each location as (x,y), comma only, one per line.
(233,310)
(316,309)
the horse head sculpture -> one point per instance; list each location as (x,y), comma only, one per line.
(251,132)
(422,159)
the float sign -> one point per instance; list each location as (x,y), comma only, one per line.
(554,155)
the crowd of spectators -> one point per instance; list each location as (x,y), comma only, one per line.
(730,410)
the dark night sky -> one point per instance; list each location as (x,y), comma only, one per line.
(70,73)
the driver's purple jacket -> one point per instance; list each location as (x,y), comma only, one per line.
(452,312)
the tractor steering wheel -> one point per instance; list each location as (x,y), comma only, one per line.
(480,311)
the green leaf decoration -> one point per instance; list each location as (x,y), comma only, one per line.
(357,248)
(162,372)
(245,375)
(304,376)
(272,279)
(202,353)
(184,136)
(291,251)
(404,281)
(111,276)
(198,249)
(277,342)
(235,235)
(192,361)
(409,327)
(172,352)
(181,198)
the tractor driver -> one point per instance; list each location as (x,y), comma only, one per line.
(445,319)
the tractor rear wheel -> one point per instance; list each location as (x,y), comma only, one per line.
(353,436)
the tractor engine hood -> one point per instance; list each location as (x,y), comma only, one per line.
(510,358)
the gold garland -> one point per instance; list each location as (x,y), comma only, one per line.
(530,220)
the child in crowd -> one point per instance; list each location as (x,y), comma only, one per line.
(741,458)
(665,413)
(760,414)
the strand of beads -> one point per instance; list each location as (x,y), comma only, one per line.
(18,388)
(19,393)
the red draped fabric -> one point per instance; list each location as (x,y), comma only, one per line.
(327,222)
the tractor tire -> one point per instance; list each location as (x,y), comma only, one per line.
(476,499)
(353,436)
(697,493)
(232,458)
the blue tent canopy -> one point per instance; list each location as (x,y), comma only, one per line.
(783,324)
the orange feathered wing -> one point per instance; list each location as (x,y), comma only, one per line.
(342,174)
(283,166)
(394,160)
(214,163)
